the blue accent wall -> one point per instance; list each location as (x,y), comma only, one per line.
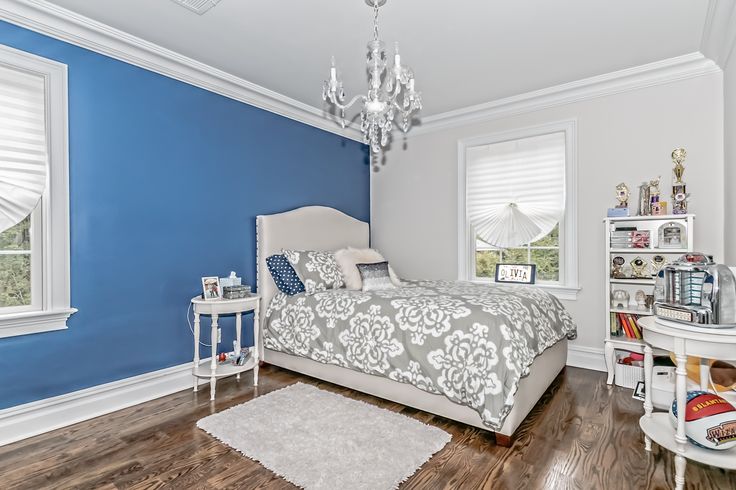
(166,181)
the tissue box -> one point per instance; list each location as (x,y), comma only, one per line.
(229,281)
(236,292)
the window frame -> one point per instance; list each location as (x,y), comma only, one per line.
(567,287)
(51,307)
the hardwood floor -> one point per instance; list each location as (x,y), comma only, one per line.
(581,435)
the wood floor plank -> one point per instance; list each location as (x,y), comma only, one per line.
(582,435)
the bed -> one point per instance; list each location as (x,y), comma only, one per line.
(323,228)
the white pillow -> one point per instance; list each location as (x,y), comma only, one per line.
(348,258)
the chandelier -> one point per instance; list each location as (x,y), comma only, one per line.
(383,102)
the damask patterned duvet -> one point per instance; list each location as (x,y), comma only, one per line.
(469,342)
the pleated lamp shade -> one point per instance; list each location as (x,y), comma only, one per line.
(515,190)
(23,154)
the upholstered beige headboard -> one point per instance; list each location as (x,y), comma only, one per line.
(307,228)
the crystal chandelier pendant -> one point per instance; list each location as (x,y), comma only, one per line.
(391,92)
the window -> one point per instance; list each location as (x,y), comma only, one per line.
(516,205)
(545,253)
(17,263)
(34,251)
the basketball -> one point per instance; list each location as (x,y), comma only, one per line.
(710,421)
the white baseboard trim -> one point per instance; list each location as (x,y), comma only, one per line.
(586,357)
(34,418)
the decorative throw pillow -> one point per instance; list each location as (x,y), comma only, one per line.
(348,258)
(284,275)
(375,276)
(317,270)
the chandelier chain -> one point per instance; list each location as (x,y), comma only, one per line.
(375,21)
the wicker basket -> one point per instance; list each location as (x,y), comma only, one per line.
(627,376)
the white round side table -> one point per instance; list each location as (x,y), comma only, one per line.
(215,308)
(684,340)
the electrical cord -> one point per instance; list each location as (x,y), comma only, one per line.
(191,329)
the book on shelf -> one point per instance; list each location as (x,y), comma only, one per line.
(624,325)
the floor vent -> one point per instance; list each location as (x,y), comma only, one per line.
(197,6)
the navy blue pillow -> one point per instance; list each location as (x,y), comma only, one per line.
(284,275)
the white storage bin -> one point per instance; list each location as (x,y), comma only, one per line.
(627,376)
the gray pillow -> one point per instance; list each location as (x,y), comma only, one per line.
(316,269)
(376,277)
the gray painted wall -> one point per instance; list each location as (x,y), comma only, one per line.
(623,137)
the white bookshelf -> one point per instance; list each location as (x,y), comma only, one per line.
(631,286)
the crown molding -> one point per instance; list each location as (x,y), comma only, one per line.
(657,73)
(719,31)
(57,22)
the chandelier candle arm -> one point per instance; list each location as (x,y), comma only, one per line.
(381,104)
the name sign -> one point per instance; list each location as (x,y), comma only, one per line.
(516,273)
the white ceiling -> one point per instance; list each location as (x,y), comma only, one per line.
(463,52)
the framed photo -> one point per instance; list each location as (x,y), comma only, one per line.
(211,288)
(516,273)
(639,391)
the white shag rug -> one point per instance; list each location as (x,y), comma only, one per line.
(319,440)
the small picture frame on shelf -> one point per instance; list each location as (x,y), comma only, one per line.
(516,273)
(639,391)
(672,235)
(211,288)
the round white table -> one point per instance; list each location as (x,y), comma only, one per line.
(215,308)
(684,340)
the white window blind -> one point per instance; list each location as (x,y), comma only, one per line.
(23,145)
(515,190)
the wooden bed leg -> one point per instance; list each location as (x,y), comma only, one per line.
(504,440)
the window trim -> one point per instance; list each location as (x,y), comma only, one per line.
(53,208)
(568,287)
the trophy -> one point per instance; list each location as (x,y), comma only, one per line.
(653,193)
(617,267)
(644,207)
(678,156)
(638,266)
(658,261)
(679,190)
(622,194)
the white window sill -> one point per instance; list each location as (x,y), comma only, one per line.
(569,293)
(29,322)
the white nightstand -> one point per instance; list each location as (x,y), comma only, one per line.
(683,340)
(215,308)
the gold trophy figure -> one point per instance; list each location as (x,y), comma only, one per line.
(678,156)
